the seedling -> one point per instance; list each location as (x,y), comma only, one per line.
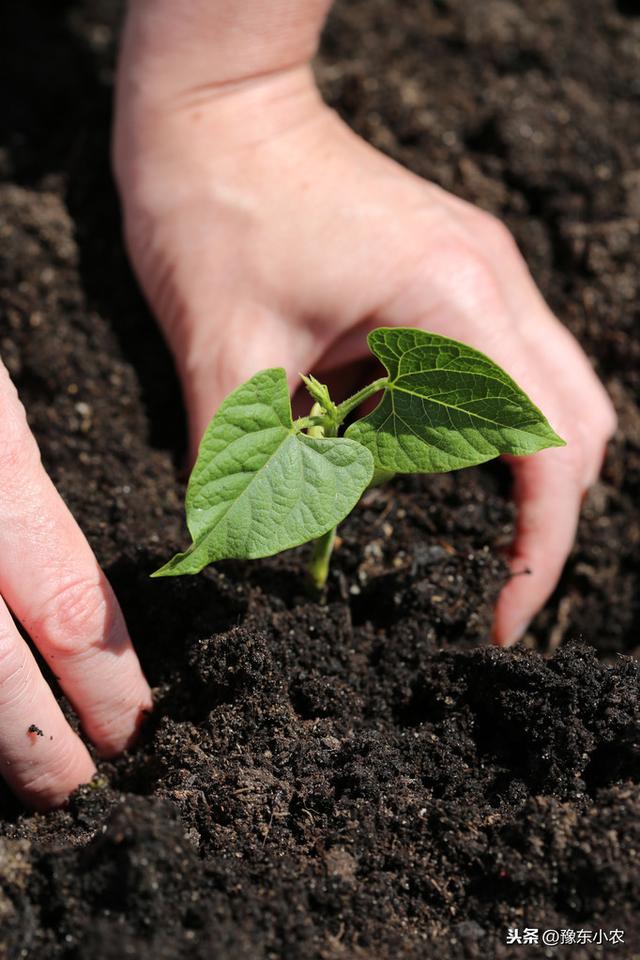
(264,482)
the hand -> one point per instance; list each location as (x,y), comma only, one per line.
(264,232)
(51,582)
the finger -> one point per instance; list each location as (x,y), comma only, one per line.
(548,487)
(558,352)
(587,405)
(548,494)
(211,366)
(41,758)
(53,584)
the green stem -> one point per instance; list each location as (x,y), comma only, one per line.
(318,568)
(331,422)
(318,425)
(305,423)
(344,409)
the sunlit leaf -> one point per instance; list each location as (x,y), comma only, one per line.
(258,487)
(446,406)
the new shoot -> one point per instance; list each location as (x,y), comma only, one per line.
(264,482)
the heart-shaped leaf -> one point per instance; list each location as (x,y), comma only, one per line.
(258,486)
(446,406)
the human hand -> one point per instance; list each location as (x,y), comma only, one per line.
(264,232)
(51,582)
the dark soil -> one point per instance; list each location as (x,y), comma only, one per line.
(364,778)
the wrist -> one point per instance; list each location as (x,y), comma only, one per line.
(221,129)
(173,83)
(177,49)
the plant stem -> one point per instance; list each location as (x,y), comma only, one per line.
(304,423)
(331,422)
(318,569)
(344,409)
(319,426)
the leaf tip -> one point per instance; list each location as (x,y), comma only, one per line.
(168,569)
(554,439)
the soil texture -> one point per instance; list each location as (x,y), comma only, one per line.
(362,778)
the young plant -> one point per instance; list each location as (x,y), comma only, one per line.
(264,482)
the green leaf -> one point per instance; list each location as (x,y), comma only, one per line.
(258,487)
(446,406)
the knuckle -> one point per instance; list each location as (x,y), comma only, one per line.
(113,730)
(115,718)
(76,619)
(101,732)
(608,419)
(51,782)
(14,662)
(493,231)
(574,458)
(611,425)
(41,788)
(587,444)
(471,272)
(596,410)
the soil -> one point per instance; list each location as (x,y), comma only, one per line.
(364,778)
